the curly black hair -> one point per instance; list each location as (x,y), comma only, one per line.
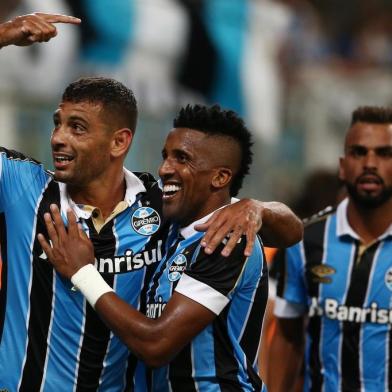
(215,121)
(115,98)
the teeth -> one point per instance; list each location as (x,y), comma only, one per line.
(171,188)
(62,159)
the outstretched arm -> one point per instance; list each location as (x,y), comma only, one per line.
(26,29)
(277,225)
(155,341)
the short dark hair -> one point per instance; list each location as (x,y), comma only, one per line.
(372,114)
(111,94)
(218,122)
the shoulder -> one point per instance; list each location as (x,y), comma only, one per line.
(15,157)
(318,219)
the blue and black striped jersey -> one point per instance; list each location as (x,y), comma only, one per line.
(223,357)
(346,288)
(51,339)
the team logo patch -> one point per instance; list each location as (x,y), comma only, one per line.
(176,268)
(146,221)
(321,273)
(388,279)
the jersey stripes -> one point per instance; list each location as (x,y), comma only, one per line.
(41,297)
(51,339)
(4,260)
(223,356)
(347,289)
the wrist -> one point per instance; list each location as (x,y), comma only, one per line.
(3,29)
(90,283)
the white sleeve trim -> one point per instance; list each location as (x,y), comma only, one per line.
(286,309)
(202,293)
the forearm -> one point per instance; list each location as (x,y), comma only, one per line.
(284,366)
(285,361)
(4,39)
(281,227)
(145,337)
(155,341)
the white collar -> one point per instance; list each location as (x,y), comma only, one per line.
(344,228)
(134,187)
(189,230)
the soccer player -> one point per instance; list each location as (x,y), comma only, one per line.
(337,283)
(51,339)
(216,303)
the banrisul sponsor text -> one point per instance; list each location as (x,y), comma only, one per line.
(129,261)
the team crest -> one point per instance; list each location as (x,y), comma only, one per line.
(388,279)
(146,221)
(176,268)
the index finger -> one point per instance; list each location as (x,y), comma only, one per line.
(58,18)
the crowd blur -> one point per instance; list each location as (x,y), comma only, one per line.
(293,69)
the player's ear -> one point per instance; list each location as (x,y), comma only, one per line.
(221,177)
(121,141)
(342,174)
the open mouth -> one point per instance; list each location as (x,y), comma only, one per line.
(61,161)
(169,191)
(369,182)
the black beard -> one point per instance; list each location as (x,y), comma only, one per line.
(368,201)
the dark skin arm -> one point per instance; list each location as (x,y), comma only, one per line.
(26,29)
(277,225)
(157,341)
(288,343)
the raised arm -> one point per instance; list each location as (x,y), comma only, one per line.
(26,29)
(277,225)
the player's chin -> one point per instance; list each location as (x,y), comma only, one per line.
(63,176)
(170,210)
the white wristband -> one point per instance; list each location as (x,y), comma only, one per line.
(90,283)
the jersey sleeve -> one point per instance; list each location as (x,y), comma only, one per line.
(19,176)
(291,298)
(211,278)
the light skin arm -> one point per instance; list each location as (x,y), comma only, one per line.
(26,29)
(286,355)
(157,341)
(277,225)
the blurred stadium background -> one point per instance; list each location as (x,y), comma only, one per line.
(294,69)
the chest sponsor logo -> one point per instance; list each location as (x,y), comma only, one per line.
(155,309)
(146,221)
(388,279)
(129,261)
(331,309)
(176,268)
(321,273)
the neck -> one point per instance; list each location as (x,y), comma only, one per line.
(214,202)
(103,194)
(369,223)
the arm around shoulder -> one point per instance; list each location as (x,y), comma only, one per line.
(281,228)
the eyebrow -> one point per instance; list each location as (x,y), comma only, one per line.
(364,148)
